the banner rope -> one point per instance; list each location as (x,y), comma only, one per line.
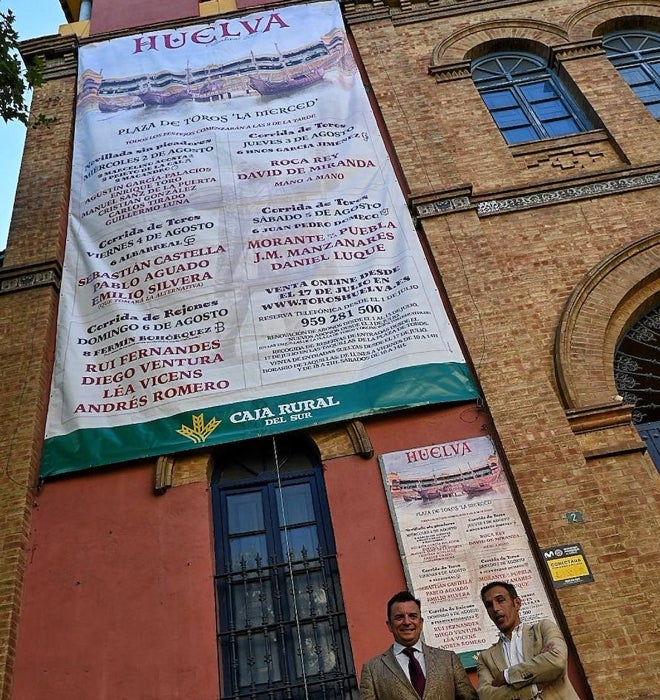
(290,564)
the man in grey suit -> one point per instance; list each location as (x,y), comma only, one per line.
(410,669)
(528,661)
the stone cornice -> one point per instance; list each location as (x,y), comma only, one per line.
(601,417)
(578,49)
(431,204)
(358,13)
(586,188)
(16,279)
(401,12)
(620,448)
(589,419)
(452,71)
(60,54)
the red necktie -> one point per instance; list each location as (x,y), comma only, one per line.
(416,674)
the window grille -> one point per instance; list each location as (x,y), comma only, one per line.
(282,631)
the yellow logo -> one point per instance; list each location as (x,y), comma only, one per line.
(200,430)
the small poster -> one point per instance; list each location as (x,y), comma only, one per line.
(458,529)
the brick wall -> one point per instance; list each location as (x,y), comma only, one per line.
(29,282)
(509,276)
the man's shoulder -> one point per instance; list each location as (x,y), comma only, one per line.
(494,645)
(546,622)
(545,625)
(379,657)
(486,654)
(437,651)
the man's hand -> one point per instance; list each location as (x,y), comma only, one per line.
(499,679)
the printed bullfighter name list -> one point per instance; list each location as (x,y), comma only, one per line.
(149,248)
(238,244)
(330,281)
(163,174)
(369,309)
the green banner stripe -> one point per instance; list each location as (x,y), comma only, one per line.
(407,387)
(469,658)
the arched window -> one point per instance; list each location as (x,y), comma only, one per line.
(281,625)
(637,377)
(525,98)
(636,55)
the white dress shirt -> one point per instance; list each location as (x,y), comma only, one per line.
(513,652)
(404,660)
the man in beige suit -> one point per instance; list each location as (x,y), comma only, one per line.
(528,661)
(410,669)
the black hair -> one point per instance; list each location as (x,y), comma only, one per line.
(509,587)
(401,597)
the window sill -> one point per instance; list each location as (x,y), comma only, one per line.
(581,139)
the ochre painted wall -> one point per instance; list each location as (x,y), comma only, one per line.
(118,599)
(369,561)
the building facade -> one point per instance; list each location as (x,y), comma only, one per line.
(526,139)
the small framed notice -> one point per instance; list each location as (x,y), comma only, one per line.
(567,565)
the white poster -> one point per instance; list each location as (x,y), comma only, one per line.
(458,529)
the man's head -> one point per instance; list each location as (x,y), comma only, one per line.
(404,618)
(502,605)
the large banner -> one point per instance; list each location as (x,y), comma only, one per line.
(240,260)
(458,528)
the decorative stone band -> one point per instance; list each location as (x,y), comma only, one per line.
(461,198)
(443,206)
(400,12)
(27,276)
(438,203)
(565,194)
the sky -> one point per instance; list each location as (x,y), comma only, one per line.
(33,18)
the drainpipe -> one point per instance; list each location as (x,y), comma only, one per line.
(85,10)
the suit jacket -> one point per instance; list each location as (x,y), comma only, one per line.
(383,678)
(545,669)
